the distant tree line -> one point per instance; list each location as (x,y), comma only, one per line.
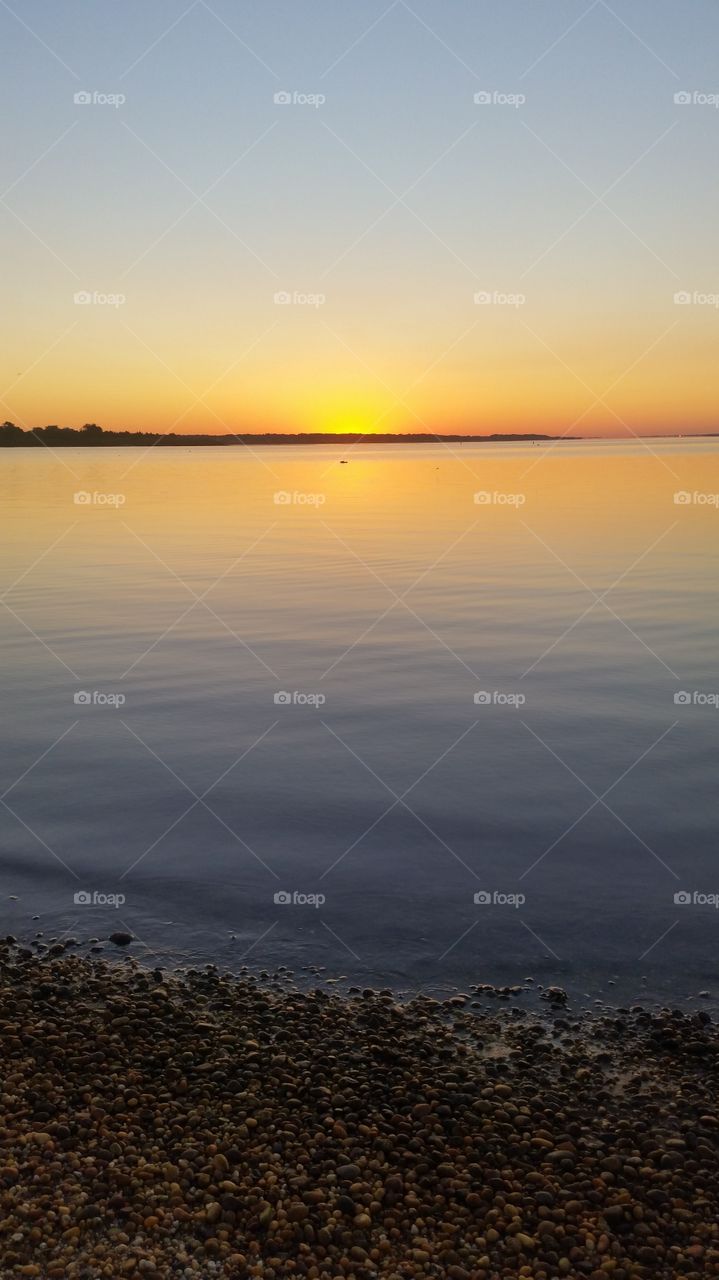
(93,436)
(12,437)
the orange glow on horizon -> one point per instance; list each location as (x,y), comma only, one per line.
(498,379)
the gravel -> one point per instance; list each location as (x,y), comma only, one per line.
(200,1125)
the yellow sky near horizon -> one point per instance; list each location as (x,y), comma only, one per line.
(500,375)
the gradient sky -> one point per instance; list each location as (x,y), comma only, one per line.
(310,200)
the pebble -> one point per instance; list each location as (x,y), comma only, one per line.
(200,1126)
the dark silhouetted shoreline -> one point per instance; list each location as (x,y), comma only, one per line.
(92,436)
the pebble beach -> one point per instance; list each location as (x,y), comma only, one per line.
(202,1125)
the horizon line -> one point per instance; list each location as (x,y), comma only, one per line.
(10,435)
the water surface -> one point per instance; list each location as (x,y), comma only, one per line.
(579,596)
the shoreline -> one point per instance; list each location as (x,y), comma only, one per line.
(72,438)
(177,948)
(199,1124)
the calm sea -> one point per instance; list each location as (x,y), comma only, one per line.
(423,716)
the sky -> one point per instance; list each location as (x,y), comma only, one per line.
(474,216)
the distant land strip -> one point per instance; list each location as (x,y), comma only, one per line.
(13,437)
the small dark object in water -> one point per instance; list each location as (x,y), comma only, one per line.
(121,939)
